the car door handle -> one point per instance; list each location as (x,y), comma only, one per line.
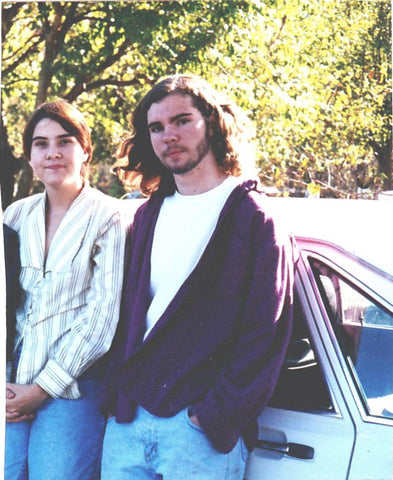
(295,450)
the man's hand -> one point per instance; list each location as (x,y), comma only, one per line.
(22,401)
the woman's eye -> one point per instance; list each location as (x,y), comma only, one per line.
(65,141)
(39,143)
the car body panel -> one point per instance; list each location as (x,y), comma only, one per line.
(348,442)
(330,436)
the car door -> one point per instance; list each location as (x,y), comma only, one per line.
(337,378)
(359,304)
(307,431)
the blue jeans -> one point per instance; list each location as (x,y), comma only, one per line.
(62,442)
(166,448)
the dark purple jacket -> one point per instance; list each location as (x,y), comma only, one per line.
(220,343)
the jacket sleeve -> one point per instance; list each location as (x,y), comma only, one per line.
(13,293)
(108,395)
(245,384)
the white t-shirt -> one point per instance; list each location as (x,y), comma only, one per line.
(183,230)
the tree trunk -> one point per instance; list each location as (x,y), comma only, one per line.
(384,157)
(9,166)
(25,182)
(54,37)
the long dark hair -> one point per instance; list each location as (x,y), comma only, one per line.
(137,164)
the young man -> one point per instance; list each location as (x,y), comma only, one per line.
(207,301)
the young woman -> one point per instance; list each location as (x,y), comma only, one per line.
(71,248)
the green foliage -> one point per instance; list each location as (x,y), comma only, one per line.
(316,79)
(314,76)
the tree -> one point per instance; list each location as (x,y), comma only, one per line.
(314,76)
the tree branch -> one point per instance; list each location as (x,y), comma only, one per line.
(8,14)
(278,34)
(31,50)
(83,87)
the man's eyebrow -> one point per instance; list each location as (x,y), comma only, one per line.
(171,120)
(180,115)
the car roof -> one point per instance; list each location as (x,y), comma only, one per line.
(361,227)
(350,265)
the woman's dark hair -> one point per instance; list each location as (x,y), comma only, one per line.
(69,117)
(137,164)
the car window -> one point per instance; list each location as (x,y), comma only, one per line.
(364,330)
(301,385)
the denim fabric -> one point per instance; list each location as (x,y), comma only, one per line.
(63,441)
(166,448)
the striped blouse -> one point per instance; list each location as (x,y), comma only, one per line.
(71,301)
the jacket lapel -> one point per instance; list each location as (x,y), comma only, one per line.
(71,232)
(32,235)
(135,307)
(197,273)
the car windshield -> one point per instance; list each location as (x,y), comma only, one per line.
(364,331)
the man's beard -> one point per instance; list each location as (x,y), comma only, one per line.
(201,151)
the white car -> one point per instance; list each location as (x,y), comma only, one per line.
(331,416)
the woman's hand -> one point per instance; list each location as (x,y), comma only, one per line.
(22,401)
